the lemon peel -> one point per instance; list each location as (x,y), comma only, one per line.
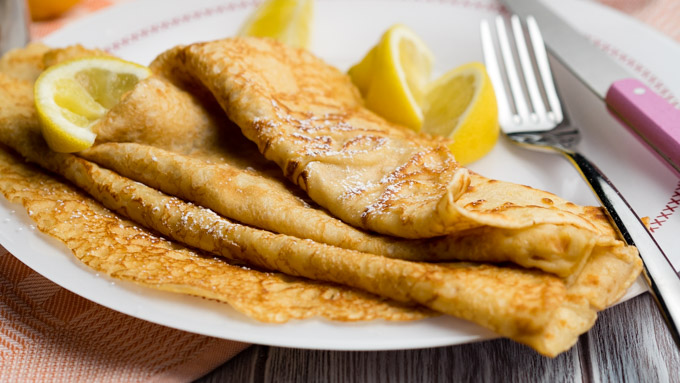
(72,96)
(393,75)
(461,105)
(288,21)
(393,78)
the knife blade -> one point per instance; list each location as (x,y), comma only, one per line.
(651,116)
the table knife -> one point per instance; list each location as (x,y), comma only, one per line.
(654,119)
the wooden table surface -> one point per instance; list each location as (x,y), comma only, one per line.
(629,343)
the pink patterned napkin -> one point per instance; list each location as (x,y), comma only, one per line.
(50,334)
(664,15)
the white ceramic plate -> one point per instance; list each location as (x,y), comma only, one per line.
(344,31)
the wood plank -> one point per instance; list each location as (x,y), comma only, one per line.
(630,343)
(495,360)
(486,361)
(245,367)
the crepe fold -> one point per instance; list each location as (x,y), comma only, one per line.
(169,139)
(309,119)
(126,250)
(527,305)
(553,235)
(122,249)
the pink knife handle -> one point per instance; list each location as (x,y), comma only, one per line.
(652,116)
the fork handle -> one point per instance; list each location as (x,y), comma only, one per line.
(663,281)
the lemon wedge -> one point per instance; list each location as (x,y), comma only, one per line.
(288,21)
(461,105)
(393,76)
(72,96)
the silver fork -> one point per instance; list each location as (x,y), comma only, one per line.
(539,121)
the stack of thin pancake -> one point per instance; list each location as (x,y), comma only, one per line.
(264,155)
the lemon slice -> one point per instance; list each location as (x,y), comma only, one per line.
(72,96)
(461,105)
(394,75)
(288,21)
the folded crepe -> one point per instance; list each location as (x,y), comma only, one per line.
(530,306)
(309,119)
(124,250)
(168,139)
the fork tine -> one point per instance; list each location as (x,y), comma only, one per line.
(494,71)
(544,69)
(511,71)
(528,69)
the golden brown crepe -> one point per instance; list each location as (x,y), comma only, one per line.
(29,62)
(526,305)
(308,118)
(265,203)
(121,249)
(25,63)
(238,184)
(522,304)
(208,162)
